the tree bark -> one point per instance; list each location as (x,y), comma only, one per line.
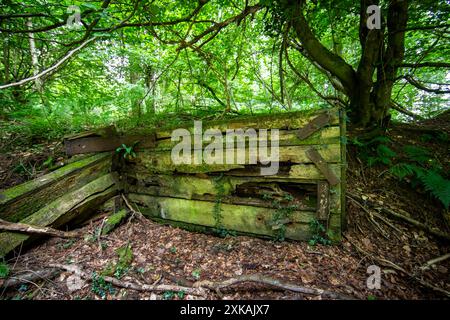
(369,87)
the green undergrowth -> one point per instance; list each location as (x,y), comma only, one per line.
(416,165)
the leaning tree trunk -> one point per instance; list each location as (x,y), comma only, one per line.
(369,88)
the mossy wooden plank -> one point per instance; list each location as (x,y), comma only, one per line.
(20,201)
(162,161)
(64,209)
(113,221)
(288,120)
(233,190)
(329,135)
(249,219)
(306,173)
(310,171)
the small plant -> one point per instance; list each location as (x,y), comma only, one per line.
(196,274)
(100,287)
(420,167)
(375,151)
(281,215)
(318,231)
(4,270)
(168,295)
(173,250)
(127,152)
(181,294)
(140,270)
(67,244)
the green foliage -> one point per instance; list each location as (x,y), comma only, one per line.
(375,151)
(196,274)
(318,232)
(100,287)
(4,270)
(418,154)
(123,263)
(438,186)
(282,214)
(169,295)
(127,152)
(420,167)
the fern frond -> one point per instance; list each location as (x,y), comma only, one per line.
(438,186)
(418,154)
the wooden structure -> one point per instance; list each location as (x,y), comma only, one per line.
(309,185)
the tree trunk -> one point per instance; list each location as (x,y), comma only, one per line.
(368,88)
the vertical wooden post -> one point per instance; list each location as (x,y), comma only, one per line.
(323,200)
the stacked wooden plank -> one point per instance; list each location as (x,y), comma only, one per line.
(307,187)
(65,195)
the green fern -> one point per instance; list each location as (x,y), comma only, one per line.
(418,154)
(402,170)
(438,186)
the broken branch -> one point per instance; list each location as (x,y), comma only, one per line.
(26,228)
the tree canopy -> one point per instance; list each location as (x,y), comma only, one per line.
(136,60)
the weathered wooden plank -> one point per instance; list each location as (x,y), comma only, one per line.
(111,143)
(323,200)
(73,205)
(322,164)
(305,173)
(22,200)
(162,161)
(314,125)
(288,120)
(248,219)
(329,135)
(232,190)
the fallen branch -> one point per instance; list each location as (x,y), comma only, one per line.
(431,262)
(399,268)
(198,288)
(420,225)
(261,279)
(130,285)
(30,276)
(26,228)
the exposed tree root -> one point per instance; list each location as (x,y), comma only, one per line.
(261,279)
(199,288)
(30,276)
(431,262)
(420,225)
(399,268)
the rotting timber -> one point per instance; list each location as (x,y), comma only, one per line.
(309,185)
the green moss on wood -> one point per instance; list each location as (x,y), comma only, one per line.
(62,210)
(113,221)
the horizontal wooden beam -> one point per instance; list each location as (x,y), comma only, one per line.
(248,219)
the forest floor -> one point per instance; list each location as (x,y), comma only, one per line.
(166,255)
